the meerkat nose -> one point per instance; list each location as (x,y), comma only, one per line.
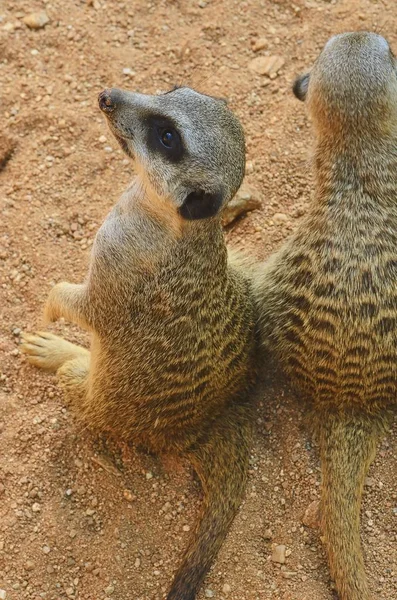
(106,101)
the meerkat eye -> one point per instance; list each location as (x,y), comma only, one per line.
(167,138)
(164,137)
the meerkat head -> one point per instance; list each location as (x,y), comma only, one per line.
(188,146)
(352,85)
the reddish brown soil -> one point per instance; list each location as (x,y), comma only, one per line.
(80,518)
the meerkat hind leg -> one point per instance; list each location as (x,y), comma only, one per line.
(347,447)
(49,351)
(73,379)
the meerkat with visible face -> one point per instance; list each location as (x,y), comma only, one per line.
(328,298)
(172,357)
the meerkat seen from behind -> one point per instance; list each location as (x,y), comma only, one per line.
(328,298)
(172,357)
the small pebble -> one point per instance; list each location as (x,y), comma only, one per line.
(311,518)
(209,593)
(109,590)
(3,595)
(245,200)
(280,218)
(36,20)
(226,588)
(278,554)
(260,44)
(268,534)
(266,65)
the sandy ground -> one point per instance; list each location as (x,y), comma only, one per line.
(81,518)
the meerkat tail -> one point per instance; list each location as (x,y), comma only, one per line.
(48,351)
(221,462)
(347,447)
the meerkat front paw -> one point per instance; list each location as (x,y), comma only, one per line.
(52,309)
(48,351)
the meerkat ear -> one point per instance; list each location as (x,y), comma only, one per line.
(301,85)
(201,205)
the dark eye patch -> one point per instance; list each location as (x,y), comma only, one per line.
(163,138)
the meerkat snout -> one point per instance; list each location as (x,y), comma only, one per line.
(105,100)
(189,147)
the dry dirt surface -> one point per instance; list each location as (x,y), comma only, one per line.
(87,518)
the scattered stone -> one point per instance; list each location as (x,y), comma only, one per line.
(226,589)
(129,496)
(311,518)
(29,565)
(209,593)
(137,563)
(46,549)
(280,218)
(186,528)
(3,595)
(288,574)
(268,535)
(369,482)
(266,65)
(36,508)
(109,590)
(9,27)
(249,167)
(244,201)
(36,20)
(260,44)
(278,554)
